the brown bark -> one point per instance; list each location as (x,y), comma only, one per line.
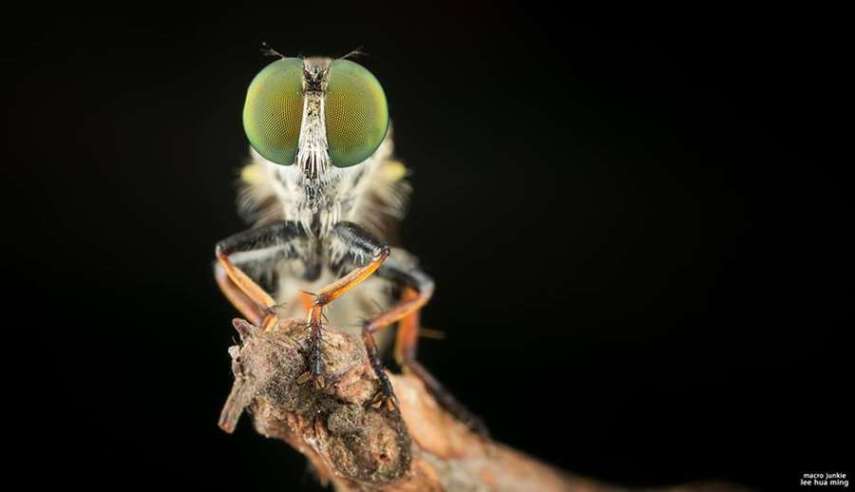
(359,446)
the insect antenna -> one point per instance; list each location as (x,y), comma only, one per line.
(266,50)
(353,54)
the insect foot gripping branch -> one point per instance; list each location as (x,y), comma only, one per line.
(349,441)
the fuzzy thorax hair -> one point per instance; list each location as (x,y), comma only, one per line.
(372,194)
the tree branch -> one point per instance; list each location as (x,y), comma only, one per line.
(359,446)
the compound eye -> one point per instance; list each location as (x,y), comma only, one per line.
(357,117)
(273,110)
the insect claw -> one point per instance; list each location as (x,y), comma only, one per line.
(382,399)
(279,307)
(391,406)
(272,310)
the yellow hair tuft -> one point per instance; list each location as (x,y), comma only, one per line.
(252,174)
(393,171)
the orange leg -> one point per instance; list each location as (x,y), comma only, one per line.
(411,301)
(407,338)
(250,299)
(328,294)
(265,243)
(247,307)
(306,300)
(336,289)
(406,344)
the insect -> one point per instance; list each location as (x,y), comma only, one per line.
(325,196)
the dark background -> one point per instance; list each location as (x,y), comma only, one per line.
(654,204)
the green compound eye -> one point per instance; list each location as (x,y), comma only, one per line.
(357,116)
(274,110)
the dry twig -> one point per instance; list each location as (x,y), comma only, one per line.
(358,446)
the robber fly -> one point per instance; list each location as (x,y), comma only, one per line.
(325,196)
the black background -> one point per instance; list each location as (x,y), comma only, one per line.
(637,228)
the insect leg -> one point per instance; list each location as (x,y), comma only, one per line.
(250,309)
(266,243)
(360,247)
(417,290)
